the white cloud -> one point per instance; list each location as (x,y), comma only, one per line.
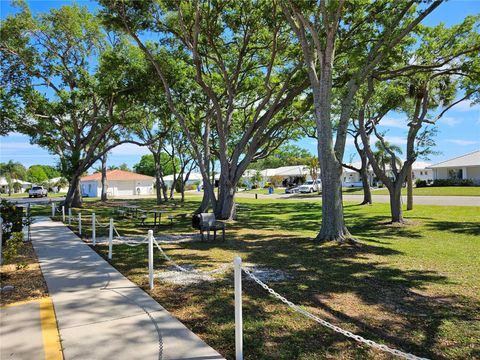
(450,121)
(130,149)
(462,142)
(397,140)
(393,123)
(17,145)
(466,105)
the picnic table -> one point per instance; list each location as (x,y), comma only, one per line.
(156,213)
(133,209)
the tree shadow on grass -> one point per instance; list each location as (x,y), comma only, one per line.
(464,227)
(323,277)
(401,317)
(351,287)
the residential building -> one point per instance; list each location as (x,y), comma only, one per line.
(119,183)
(461,167)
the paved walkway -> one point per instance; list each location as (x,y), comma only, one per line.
(29,331)
(100,313)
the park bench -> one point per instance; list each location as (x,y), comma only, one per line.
(208,223)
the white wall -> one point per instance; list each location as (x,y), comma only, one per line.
(472,173)
(422,174)
(89,188)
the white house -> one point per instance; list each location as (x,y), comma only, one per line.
(119,183)
(420,170)
(462,167)
(192,179)
(52,183)
(288,173)
(4,185)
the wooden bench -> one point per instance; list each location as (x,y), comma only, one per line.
(208,223)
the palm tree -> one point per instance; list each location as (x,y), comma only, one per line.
(383,154)
(12,171)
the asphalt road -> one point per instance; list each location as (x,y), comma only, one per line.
(38,201)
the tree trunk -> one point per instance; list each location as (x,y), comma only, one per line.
(367,193)
(333,225)
(161,190)
(225,209)
(396,202)
(73,197)
(205,202)
(182,192)
(104,178)
(409,189)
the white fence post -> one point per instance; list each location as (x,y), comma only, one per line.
(63,213)
(53,209)
(69,216)
(110,240)
(237,264)
(150,258)
(1,238)
(80,223)
(94,240)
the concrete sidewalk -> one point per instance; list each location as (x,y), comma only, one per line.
(28,330)
(100,313)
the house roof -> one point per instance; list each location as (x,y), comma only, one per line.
(417,165)
(293,170)
(470,159)
(4,182)
(117,175)
(192,177)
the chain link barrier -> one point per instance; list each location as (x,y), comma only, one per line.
(219,270)
(329,325)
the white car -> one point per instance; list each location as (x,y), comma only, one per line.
(37,191)
(310,186)
(292,190)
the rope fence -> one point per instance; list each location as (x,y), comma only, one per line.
(117,238)
(329,325)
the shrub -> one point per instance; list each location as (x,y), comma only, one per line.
(13,220)
(453,182)
(420,183)
(14,244)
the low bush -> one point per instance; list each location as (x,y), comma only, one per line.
(13,220)
(14,244)
(420,183)
(453,182)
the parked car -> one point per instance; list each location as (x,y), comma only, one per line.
(310,186)
(353,184)
(37,191)
(292,190)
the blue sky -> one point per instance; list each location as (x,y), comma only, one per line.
(458,130)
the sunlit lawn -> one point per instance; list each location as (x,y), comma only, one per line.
(426,191)
(413,287)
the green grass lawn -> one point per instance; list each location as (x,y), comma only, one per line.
(413,287)
(427,191)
